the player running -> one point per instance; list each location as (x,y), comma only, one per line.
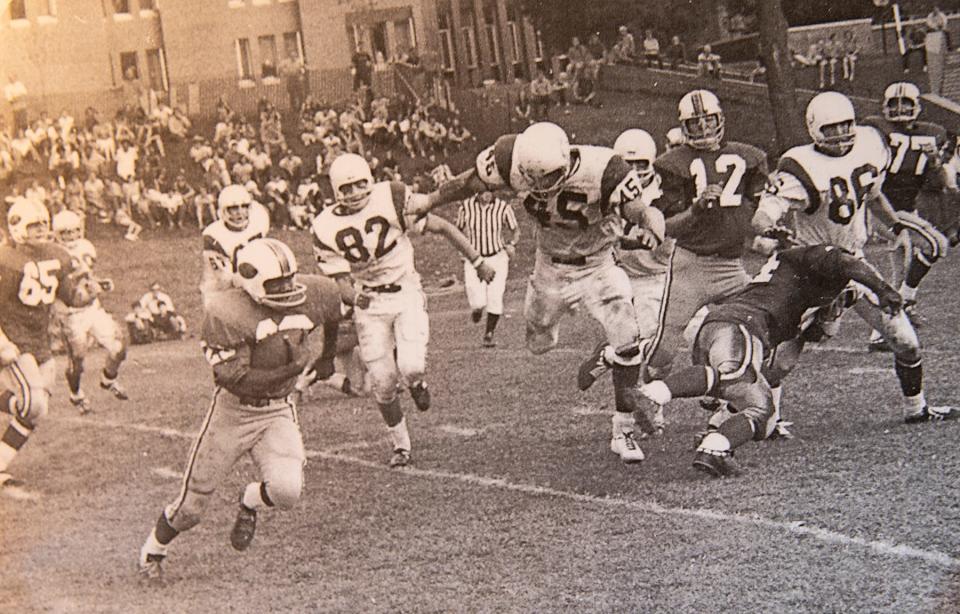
(241,221)
(830,183)
(78,325)
(33,273)
(578,195)
(915,167)
(739,335)
(266,342)
(363,243)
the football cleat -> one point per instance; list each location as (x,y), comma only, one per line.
(115,389)
(150,567)
(879,345)
(8,481)
(781,430)
(933,414)
(593,367)
(488,341)
(400,458)
(82,404)
(244,528)
(420,396)
(476,315)
(625,445)
(715,465)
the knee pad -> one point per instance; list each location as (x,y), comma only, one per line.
(284,493)
(540,341)
(628,355)
(754,401)
(31,391)
(902,337)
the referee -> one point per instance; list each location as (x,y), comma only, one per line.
(482,218)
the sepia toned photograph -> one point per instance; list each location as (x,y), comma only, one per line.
(479,306)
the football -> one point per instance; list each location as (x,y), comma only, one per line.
(276,350)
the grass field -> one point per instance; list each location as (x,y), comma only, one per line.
(514,502)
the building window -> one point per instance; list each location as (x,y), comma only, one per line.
(446,40)
(121,7)
(538,45)
(405,38)
(148,5)
(268,56)
(18,9)
(292,45)
(48,8)
(129,69)
(515,44)
(156,70)
(244,66)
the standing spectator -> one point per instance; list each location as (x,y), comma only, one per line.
(708,63)
(585,87)
(295,74)
(676,52)
(851,51)
(562,89)
(651,50)
(577,56)
(16,94)
(596,48)
(915,46)
(626,46)
(482,218)
(362,70)
(935,47)
(540,90)
(833,52)
(523,110)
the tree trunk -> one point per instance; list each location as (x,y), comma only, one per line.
(774,53)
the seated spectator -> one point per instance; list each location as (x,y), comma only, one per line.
(458,134)
(676,53)
(205,207)
(708,63)
(915,46)
(541,89)
(810,58)
(651,50)
(597,50)
(179,124)
(625,50)
(562,89)
(851,51)
(585,87)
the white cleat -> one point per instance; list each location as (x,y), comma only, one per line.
(625,445)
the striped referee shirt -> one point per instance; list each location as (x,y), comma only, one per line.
(483,224)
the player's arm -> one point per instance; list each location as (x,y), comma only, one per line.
(491,172)
(784,192)
(9,352)
(232,370)
(835,262)
(440,226)
(621,190)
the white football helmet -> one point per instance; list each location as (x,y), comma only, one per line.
(267,271)
(543,158)
(831,122)
(901,102)
(701,119)
(233,206)
(639,149)
(352,181)
(22,215)
(67,227)
(674,138)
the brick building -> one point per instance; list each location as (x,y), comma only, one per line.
(74,53)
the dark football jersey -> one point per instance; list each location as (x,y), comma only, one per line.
(790,283)
(909,169)
(233,320)
(686,172)
(31,278)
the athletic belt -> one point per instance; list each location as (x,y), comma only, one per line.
(254,402)
(571,261)
(492,254)
(385,288)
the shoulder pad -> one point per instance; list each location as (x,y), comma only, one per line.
(229,319)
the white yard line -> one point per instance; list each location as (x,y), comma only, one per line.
(796,528)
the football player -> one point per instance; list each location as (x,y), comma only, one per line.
(265,341)
(362,243)
(241,220)
(915,163)
(77,325)
(34,272)
(578,195)
(830,183)
(709,195)
(740,334)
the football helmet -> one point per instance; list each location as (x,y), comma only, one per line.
(28,221)
(233,206)
(831,123)
(701,119)
(674,138)
(639,149)
(267,271)
(352,181)
(67,227)
(543,158)
(901,102)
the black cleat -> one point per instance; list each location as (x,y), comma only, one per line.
(879,345)
(593,367)
(150,568)
(476,315)
(8,481)
(715,465)
(933,414)
(243,528)
(115,389)
(400,458)
(488,341)
(420,396)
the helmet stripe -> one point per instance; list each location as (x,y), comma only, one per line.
(697,101)
(285,268)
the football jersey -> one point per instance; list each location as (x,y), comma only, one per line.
(791,282)
(642,262)
(157,303)
(84,251)
(829,192)
(370,244)
(232,320)
(584,217)
(909,169)
(31,279)
(686,172)
(220,244)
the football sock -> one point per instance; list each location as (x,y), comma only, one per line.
(8,402)
(622,421)
(73,381)
(738,429)
(777,393)
(624,377)
(917,269)
(255,496)
(492,319)
(910,375)
(163,533)
(391,412)
(695,381)
(476,315)
(107,377)
(13,439)
(399,436)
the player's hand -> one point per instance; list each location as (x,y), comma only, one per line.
(361,301)
(106,285)
(709,199)
(511,251)
(784,236)
(890,300)
(933,154)
(9,352)
(305,380)
(298,354)
(485,272)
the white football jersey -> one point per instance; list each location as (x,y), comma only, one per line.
(827,192)
(370,244)
(643,262)
(584,217)
(220,245)
(84,251)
